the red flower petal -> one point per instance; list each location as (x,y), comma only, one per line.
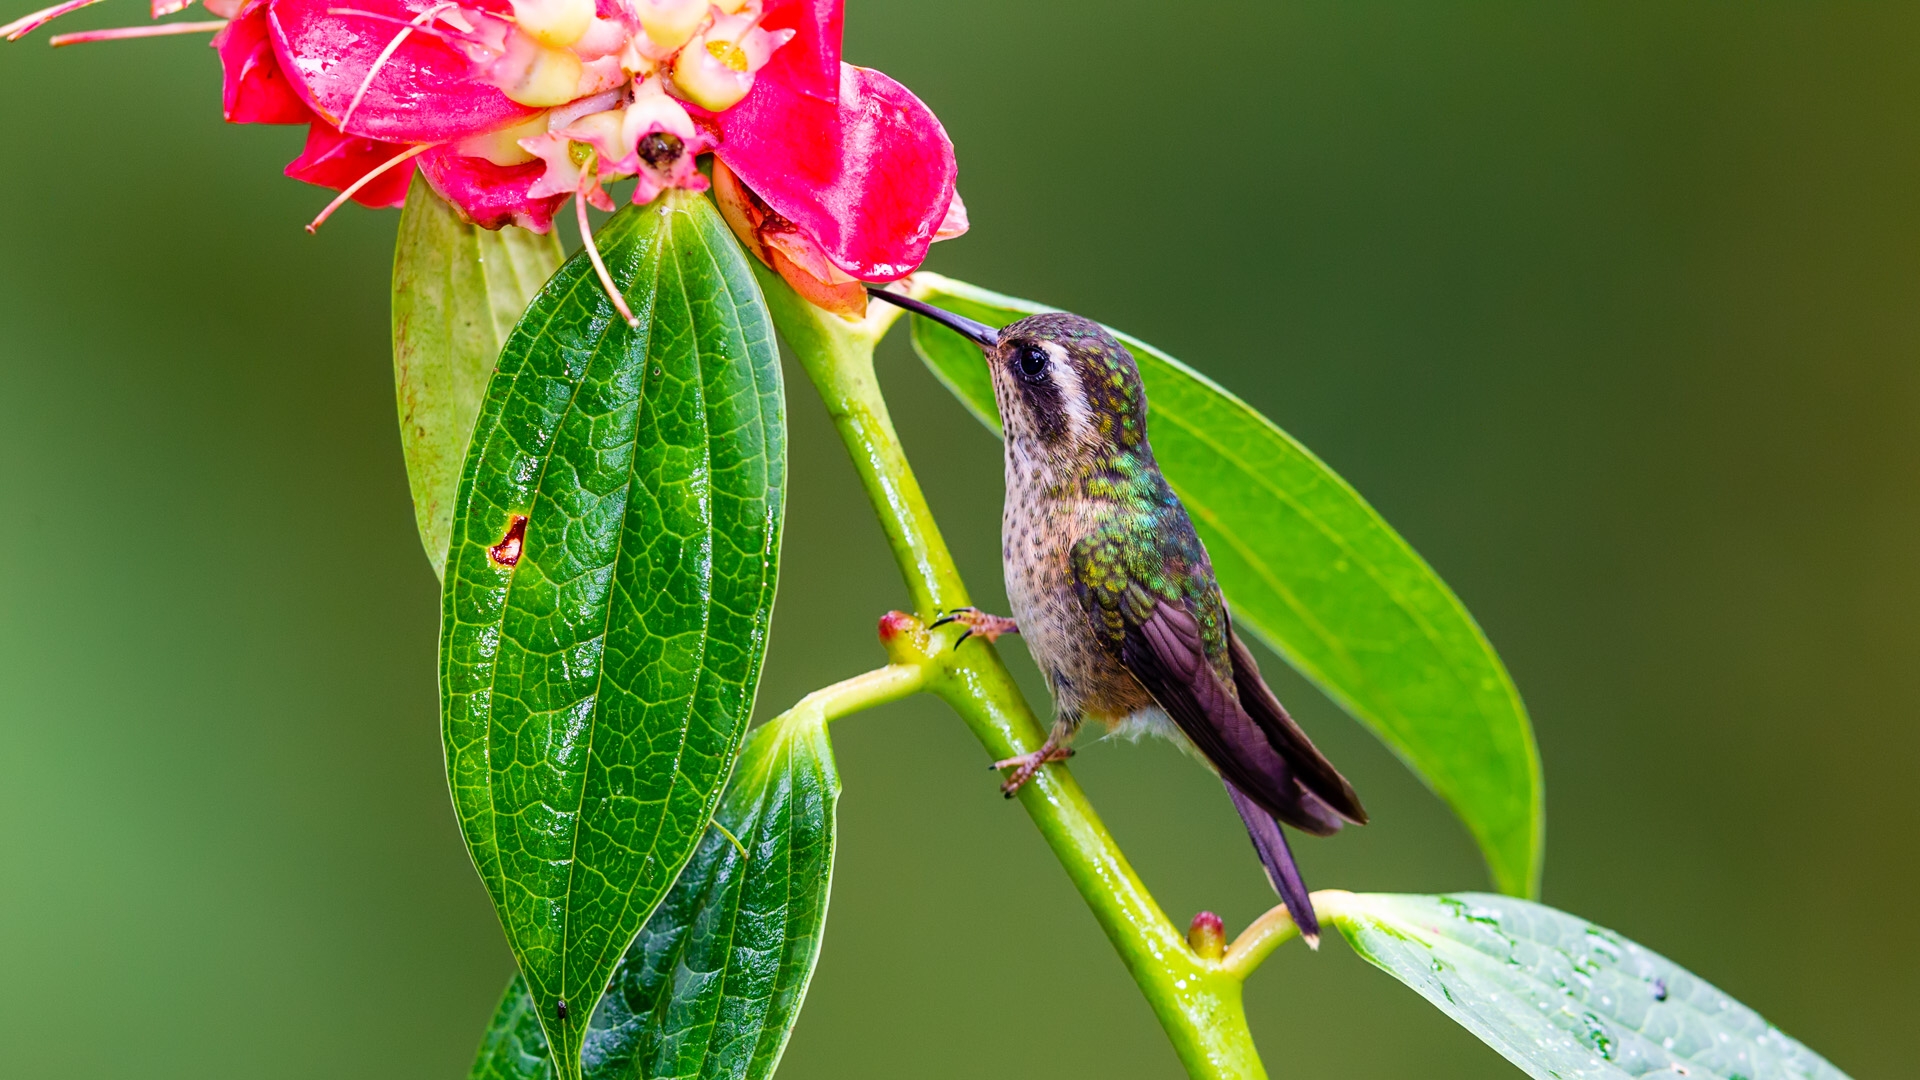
(336,161)
(256,91)
(425,92)
(809,64)
(490,195)
(870,180)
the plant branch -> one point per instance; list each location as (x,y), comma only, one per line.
(1197,1001)
(876,687)
(1262,936)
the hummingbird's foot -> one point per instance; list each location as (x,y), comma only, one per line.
(1026,765)
(978,622)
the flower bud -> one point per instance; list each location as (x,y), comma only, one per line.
(554,23)
(652,110)
(603,132)
(503,147)
(534,75)
(600,76)
(716,68)
(670,23)
(1207,936)
(604,37)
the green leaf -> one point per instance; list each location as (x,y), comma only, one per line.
(514,1047)
(1562,998)
(594,689)
(457,291)
(713,984)
(1317,574)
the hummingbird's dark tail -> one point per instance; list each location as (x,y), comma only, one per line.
(1278,859)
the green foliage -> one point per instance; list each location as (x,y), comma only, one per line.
(1562,998)
(1315,572)
(594,689)
(457,291)
(713,984)
(515,1048)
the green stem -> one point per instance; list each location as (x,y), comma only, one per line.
(838,356)
(1262,936)
(876,687)
(1197,1001)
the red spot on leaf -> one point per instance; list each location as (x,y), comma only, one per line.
(507,552)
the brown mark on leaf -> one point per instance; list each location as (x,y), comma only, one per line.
(507,552)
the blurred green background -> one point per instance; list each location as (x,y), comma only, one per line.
(1610,308)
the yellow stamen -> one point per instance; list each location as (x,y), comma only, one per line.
(729,54)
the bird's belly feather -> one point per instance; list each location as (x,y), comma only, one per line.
(1037,537)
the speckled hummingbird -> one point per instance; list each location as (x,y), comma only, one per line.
(1115,596)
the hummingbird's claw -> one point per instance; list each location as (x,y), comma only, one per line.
(978,622)
(1026,765)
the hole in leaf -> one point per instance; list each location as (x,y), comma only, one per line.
(507,552)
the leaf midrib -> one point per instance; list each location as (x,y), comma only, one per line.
(513,580)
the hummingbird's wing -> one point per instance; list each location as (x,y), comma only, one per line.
(1166,652)
(1316,773)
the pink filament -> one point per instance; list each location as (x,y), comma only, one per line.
(593,253)
(386,54)
(372,174)
(431,31)
(124,32)
(25,25)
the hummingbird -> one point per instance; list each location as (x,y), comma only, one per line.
(1114,595)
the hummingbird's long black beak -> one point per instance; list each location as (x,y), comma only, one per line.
(977,332)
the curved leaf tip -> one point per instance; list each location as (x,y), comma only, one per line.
(712,985)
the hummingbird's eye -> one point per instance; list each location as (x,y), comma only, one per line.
(1033,362)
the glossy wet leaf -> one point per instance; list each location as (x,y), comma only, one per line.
(1316,573)
(514,1048)
(713,984)
(608,591)
(1562,998)
(457,291)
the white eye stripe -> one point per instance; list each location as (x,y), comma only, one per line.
(1073,395)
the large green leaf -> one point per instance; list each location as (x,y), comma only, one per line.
(713,984)
(457,291)
(596,677)
(1562,998)
(1316,573)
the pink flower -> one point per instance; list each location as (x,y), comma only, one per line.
(833,174)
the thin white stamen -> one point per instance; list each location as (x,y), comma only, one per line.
(27,24)
(431,31)
(593,253)
(374,173)
(386,54)
(125,32)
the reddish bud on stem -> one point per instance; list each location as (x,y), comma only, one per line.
(1207,936)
